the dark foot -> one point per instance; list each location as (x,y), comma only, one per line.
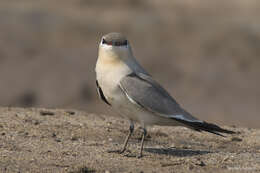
(130,155)
(139,156)
(133,155)
(116,151)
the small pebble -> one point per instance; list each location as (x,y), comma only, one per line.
(44,113)
(57,140)
(191,167)
(225,159)
(201,163)
(236,139)
(74,138)
(36,122)
(70,112)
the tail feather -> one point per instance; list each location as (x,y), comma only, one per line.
(204,126)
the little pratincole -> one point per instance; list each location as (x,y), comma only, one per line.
(123,84)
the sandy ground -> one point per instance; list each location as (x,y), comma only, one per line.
(41,140)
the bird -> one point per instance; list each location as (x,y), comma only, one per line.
(130,90)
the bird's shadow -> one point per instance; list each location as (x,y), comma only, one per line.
(176,151)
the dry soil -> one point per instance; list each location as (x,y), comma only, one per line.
(41,140)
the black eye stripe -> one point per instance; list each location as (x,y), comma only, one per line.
(115,43)
(104,41)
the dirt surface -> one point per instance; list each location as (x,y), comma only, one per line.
(41,140)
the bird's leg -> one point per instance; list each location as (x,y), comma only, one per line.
(131,129)
(142,143)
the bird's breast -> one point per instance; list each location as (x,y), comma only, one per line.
(109,76)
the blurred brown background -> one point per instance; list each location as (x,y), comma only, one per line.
(205,53)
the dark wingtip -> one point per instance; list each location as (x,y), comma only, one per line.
(214,128)
(208,127)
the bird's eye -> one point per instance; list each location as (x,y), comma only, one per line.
(104,41)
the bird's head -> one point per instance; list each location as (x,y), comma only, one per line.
(114,46)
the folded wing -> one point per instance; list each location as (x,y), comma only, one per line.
(142,90)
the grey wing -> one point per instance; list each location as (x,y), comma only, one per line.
(146,92)
(142,90)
